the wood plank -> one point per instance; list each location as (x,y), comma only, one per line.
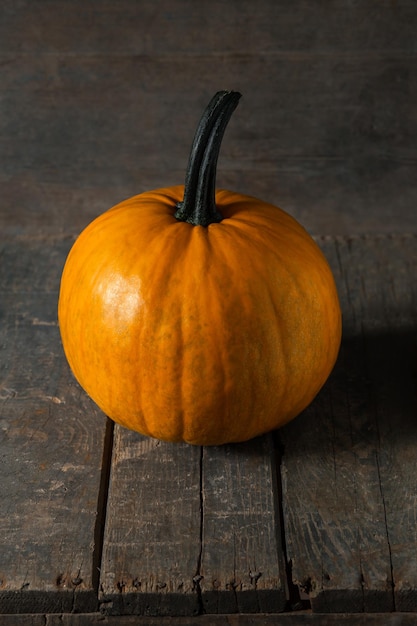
(52,441)
(390,342)
(350,529)
(286,619)
(330,139)
(152,537)
(191,530)
(125,28)
(326,196)
(69,107)
(242,565)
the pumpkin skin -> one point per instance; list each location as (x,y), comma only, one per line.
(200,316)
(200,334)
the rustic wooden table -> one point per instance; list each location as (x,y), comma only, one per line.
(100,525)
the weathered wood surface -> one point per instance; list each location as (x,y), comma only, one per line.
(191,530)
(349,465)
(152,539)
(100,100)
(242,562)
(51,447)
(287,619)
(348,469)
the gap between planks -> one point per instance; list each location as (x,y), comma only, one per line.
(192,530)
(102,500)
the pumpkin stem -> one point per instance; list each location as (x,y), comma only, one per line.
(198,206)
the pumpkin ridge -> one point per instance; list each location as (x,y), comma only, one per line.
(165,347)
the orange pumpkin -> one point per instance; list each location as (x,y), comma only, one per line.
(199,316)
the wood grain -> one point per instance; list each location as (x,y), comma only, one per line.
(242,564)
(152,538)
(123,28)
(287,619)
(99,102)
(52,444)
(349,471)
(327,128)
(191,530)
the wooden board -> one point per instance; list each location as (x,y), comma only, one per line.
(287,619)
(348,471)
(191,530)
(124,29)
(52,441)
(152,539)
(242,563)
(349,465)
(284,619)
(326,129)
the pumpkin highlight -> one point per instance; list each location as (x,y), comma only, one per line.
(190,314)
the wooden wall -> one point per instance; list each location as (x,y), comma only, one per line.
(99,101)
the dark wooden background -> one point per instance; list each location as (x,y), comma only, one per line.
(99,101)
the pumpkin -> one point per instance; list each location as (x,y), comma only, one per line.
(196,315)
